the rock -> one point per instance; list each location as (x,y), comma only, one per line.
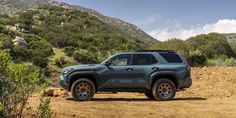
(54,92)
(19,41)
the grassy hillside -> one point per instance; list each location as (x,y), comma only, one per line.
(57,37)
(12,6)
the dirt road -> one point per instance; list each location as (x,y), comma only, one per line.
(213,94)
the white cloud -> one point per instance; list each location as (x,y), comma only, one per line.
(221,26)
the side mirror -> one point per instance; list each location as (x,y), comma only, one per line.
(108,63)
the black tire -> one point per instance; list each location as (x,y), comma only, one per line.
(164,89)
(83,90)
(149,95)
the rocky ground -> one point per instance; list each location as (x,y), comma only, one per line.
(213,94)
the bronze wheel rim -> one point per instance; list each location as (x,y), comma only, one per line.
(165,90)
(83,90)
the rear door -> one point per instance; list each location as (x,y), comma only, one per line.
(143,65)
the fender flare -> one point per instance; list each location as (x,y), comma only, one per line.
(74,74)
(163,73)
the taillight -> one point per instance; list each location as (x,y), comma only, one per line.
(189,68)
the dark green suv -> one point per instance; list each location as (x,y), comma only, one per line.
(157,73)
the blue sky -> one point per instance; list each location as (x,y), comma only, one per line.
(164,19)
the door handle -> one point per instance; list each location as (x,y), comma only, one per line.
(129,69)
(155,68)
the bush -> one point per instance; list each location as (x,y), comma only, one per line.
(177,45)
(17,82)
(69,51)
(211,45)
(20,53)
(210,62)
(196,58)
(84,57)
(229,62)
(1,109)
(40,61)
(60,61)
(6,42)
(44,110)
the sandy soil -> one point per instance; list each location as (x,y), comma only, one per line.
(213,94)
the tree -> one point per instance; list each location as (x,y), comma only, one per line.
(177,45)
(211,45)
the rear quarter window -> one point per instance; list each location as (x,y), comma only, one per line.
(171,57)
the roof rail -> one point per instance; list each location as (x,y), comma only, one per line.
(169,51)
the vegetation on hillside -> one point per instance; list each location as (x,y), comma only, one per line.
(82,36)
(231,38)
(206,49)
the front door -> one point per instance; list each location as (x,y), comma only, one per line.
(120,72)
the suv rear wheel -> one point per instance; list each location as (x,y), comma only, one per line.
(83,90)
(164,89)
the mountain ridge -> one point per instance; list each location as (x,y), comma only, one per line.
(16,5)
(125,26)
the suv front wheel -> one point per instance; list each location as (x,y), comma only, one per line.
(149,95)
(83,90)
(164,89)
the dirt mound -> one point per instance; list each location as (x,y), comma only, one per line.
(54,92)
(208,82)
(212,95)
(212,82)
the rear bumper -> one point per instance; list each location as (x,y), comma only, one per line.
(187,82)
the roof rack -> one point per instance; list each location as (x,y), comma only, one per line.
(169,51)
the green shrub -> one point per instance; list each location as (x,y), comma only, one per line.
(46,71)
(210,62)
(196,58)
(1,109)
(6,42)
(44,108)
(40,61)
(210,45)
(229,62)
(20,53)
(17,82)
(69,51)
(85,57)
(60,61)
(177,45)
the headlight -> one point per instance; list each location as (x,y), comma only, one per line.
(67,71)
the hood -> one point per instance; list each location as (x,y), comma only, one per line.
(85,67)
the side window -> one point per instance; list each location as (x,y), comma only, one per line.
(144,59)
(121,60)
(153,59)
(171,57)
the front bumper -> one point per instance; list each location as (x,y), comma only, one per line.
(63,84)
